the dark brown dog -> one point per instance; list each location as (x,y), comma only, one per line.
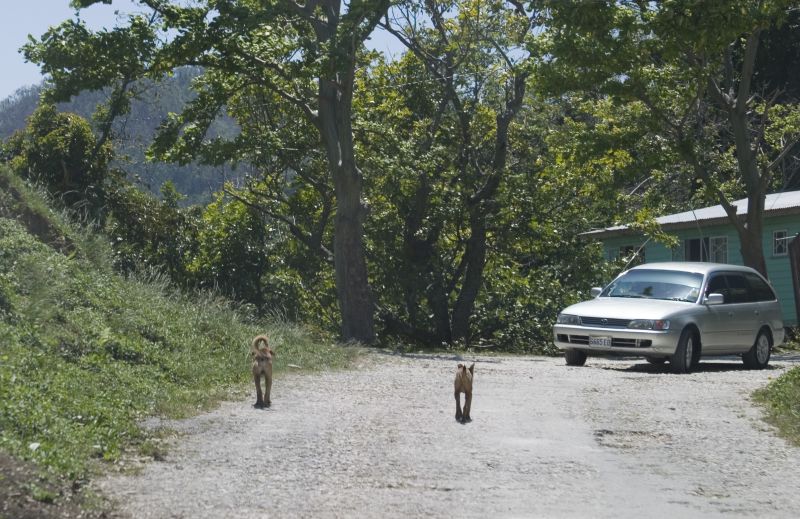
(262,356)
(463,384)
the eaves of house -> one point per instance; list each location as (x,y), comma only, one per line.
(776,204)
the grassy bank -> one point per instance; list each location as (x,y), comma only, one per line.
(86,354)
(781,399)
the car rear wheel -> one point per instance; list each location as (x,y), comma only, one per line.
(686,354)
(758,356)
(575,357)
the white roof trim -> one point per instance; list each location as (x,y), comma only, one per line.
(773,202)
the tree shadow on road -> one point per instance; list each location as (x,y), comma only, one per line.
(448,356)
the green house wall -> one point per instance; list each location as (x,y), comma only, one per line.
(777,265)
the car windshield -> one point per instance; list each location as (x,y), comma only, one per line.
(672,285)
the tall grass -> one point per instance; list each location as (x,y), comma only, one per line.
(86,354)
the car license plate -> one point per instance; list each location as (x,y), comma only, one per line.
(600,341)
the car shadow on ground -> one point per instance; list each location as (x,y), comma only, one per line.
(710,365)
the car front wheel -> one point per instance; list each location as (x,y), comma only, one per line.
(575,357)
(758,356)
(686,353)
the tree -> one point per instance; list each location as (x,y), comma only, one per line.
(691,65)
(467,72)
(535,264)
(232,250)
(60,151)
(306,54)
(146,231)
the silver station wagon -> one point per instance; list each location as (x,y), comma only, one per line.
(675,312)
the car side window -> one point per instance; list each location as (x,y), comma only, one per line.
(717,285)
(739,290)
(760,289)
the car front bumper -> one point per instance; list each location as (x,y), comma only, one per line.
(589,339)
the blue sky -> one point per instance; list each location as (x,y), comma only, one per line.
(19,18)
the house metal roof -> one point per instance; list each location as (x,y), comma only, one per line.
(787,202)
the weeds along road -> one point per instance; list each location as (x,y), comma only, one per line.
(610,439)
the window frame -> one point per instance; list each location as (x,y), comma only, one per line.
(706,245)
(764,288)
(711,248)
(784,240)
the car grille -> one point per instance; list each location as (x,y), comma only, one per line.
(604,321)
(616,342)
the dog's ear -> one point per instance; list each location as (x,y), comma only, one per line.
(471,368)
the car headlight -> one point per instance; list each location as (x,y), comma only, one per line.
(568,319)
(649,324)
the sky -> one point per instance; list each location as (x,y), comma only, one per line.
(19,18)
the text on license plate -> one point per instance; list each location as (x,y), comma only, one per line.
(600,341)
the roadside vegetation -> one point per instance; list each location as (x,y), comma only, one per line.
(781,399)
(86,353)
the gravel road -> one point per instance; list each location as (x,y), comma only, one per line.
(614,438)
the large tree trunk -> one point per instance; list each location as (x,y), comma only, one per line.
(475,257)
(335,126)
(350,265)
(751,236)
(756,184)
(352,284)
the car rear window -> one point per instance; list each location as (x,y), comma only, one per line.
(744,287)
(760,289)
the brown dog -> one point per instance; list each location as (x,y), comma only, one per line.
(463,384)
(262,356)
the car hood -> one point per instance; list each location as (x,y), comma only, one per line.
(627,308)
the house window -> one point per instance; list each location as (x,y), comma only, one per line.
(714,249)
(780,243)
(718,249)
(632,254)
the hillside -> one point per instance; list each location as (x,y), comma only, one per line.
(134,132)
(87,354)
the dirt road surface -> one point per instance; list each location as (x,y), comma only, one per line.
(610,439)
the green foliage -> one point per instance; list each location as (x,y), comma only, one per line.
(440,188)
(147,233)
(609,113)
(782,401)
(86,354)
(60,151)
(232,250)
(302,56)
(691,66)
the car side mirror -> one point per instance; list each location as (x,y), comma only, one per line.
(596,291)
(714,299)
